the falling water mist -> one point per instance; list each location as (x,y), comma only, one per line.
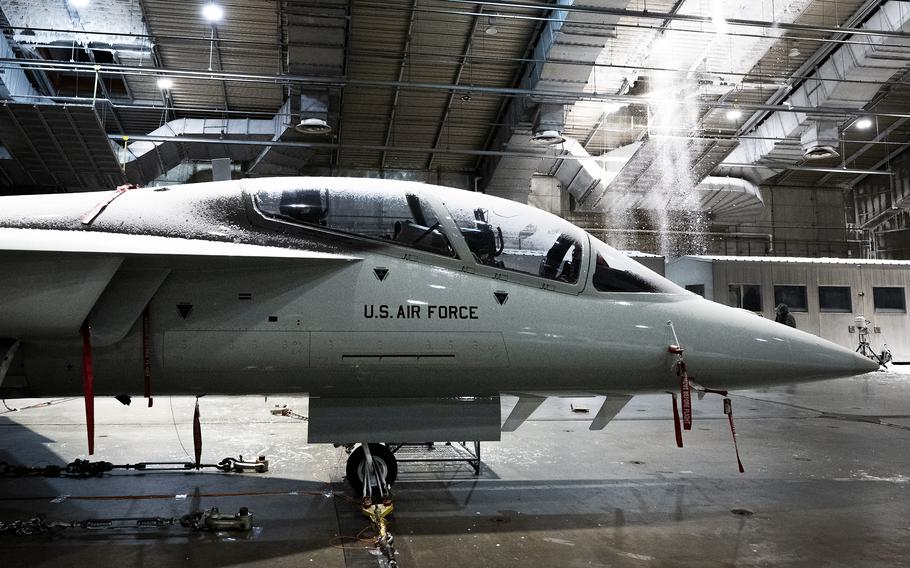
(672,200)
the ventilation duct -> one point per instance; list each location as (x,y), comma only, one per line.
(196,172)
(820,140)
(314,113)
(569,46)
(146,161)
(867,62)
(674,94)
(547,126)
(14,83)
(277,160)
(725,200)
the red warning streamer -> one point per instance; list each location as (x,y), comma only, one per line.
(88,386)
(147,354)
(686,393)
(728,410)
(197,435)
(679,440)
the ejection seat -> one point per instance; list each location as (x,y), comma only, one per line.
(305,205)
(420,237)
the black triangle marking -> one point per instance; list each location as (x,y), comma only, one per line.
(184,309)
(501,297)
(380,273)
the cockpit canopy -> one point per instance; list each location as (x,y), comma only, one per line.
(499,234)
(393,214)
(514,237)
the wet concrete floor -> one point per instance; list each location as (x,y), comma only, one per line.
(827,483)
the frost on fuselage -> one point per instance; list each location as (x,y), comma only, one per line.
(388,213)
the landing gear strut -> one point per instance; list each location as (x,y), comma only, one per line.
(371,470)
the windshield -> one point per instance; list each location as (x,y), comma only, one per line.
(515,237)
(384,213)
(615,272)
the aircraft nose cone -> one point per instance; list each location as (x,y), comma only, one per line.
(737,348)
(827,359)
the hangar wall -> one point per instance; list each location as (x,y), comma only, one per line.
(871,288)
(803,221)
(881,215)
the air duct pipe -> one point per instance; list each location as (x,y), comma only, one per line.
(870,59)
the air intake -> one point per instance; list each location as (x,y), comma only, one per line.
(547,138)
(313,126)
(820,140)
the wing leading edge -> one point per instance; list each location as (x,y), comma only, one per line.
(98,242)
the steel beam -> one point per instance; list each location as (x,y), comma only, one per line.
(461,65)
(847,29)
(423,150)
(404,63)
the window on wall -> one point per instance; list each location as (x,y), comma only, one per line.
(746,296)
(889,299)
(697,289)
(835,299)
(793,296)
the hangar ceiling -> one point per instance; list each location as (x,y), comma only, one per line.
(725,97)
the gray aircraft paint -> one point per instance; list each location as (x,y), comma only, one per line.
(271,307)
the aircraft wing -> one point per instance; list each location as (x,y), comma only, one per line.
(67,275)
(98,242)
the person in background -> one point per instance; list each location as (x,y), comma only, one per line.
(784,316)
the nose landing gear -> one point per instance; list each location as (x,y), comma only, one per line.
(371,470)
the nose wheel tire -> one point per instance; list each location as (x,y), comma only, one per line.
(383,460)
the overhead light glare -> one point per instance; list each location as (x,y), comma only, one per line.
(734,114)
(79,3)
(717,17)
(794,52)
(164,83)
(212,12)
(863,123)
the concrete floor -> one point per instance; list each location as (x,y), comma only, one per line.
(827,483)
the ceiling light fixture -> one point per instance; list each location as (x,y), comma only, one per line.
(79,3)
(863,123)
(734,114)
(164,83)
(491,28)
(212,12)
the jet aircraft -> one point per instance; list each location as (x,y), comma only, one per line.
(403,310)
